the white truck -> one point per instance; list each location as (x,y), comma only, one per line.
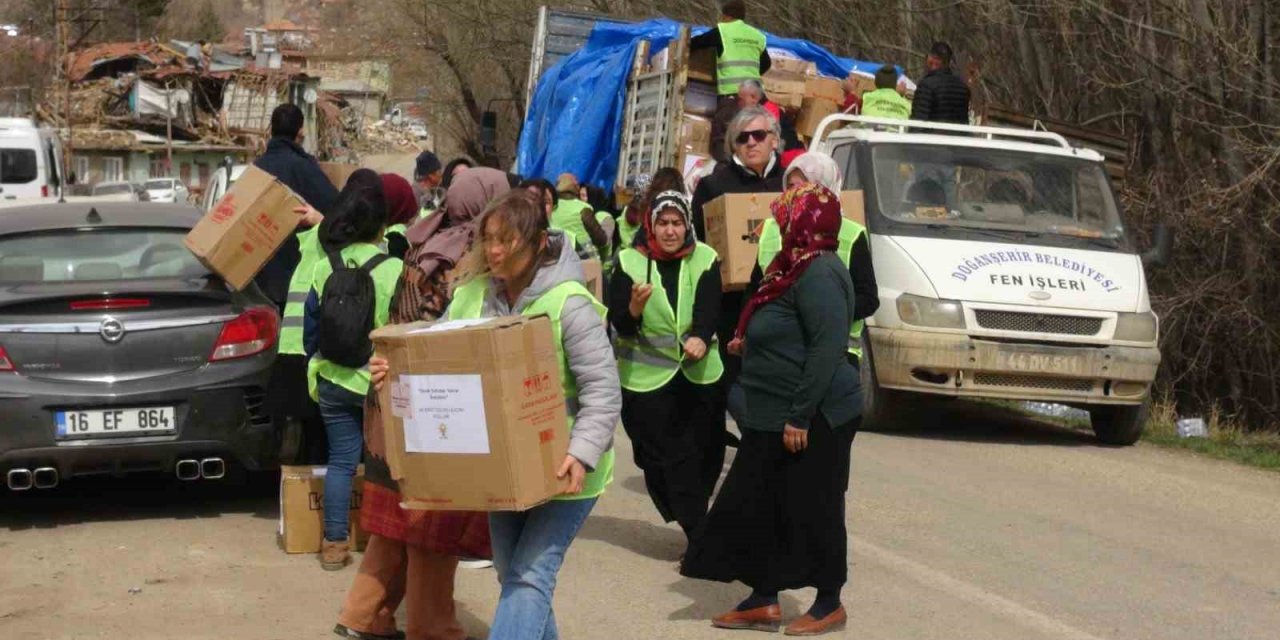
(30,162)
(1005,271)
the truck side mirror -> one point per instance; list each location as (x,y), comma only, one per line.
(1161,247)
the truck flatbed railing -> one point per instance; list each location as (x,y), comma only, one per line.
(915,126)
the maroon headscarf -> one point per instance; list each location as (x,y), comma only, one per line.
(809,218)
(402,206)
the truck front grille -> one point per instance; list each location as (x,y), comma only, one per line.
(1022,381)
(1037,323)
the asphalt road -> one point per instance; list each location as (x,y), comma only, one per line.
(1001,527)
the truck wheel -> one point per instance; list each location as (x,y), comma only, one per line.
(879,406)
(1122,425)
(292,441)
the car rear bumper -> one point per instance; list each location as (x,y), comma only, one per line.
(961,366)
(226,419)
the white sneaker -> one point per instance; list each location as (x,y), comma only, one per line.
(474,563)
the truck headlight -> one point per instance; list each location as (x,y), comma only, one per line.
(1136,327)
(930,312)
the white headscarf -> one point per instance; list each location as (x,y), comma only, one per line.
(818,168)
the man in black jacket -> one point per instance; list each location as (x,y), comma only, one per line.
(290,164)
(942,95)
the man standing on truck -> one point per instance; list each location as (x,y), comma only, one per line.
(741,55)
(942,95)
(885,101)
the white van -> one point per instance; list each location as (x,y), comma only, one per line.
(221,180)
(30,161)
(1004,269)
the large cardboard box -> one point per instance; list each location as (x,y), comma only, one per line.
(247,226)
(594,271)
(338,173)
(795,66)
(702,66)
(853,206)
(785,89)
(474,415)
(301,528)
(826,88)
(695,135)
(733,230)
(811,114)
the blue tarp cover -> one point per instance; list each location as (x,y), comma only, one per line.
(574,121)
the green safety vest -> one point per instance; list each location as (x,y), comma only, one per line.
(771,244)
(651,359)
(885,103)
(385,278)
(626,232)
(299,287)
(468,303)
(567,217)
(740,60)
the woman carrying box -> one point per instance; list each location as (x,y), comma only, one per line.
(665,306)
(524,268)
(412,556)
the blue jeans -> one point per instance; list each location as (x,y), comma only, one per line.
(343,415)
(528,550)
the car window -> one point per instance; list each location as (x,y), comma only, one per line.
(112,254)
(158,184)
(18,166)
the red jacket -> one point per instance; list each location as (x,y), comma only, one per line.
(773,109)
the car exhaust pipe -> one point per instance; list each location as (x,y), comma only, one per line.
(19,479)
(187,470)
(45,477)
(213,468)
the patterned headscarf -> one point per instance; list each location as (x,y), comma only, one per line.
(646,241)
(809,219)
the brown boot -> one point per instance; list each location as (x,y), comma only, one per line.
(767,618)
(806,625)
(335,555)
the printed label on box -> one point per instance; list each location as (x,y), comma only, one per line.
(447,415)
(450,325)
(401,400)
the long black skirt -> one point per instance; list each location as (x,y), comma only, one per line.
(779,521)
(677,434)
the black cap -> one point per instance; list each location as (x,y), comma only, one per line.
(426,165)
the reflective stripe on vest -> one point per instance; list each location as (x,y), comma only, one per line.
(771,244)
(885,103)
(385,278)
(740,60)
(567,217)
(468,303)
(299,287)
(650,360)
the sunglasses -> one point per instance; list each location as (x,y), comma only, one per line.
(759,135)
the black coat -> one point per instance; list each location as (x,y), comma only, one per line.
(299,171)
(941,96)
(730,177)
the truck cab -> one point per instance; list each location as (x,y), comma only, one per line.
(1005,271)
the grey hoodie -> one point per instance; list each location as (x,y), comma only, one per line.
(587,346)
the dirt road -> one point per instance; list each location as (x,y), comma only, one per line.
(1001,528)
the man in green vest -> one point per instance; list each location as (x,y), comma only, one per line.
(741,55)
(885,101)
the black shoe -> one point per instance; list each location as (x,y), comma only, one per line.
(346,632)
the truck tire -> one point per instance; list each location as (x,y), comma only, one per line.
(879,406)
(292,441)
(1120,425)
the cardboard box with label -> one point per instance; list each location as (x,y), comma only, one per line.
(474,414)
(245,228)
(785,89)
(733,230)
(695,135)
(594,271)
(301,528)
(338,173)
(812,113)
(825,88)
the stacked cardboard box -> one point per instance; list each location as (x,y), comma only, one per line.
(302,509)
(733,230)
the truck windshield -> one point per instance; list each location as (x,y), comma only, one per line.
(1031,194)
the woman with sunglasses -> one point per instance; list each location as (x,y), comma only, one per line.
(754,167)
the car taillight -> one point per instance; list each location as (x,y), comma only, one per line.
(44,191)
(5,363)
(110,304)
(251,333)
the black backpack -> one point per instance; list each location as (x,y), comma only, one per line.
(347,310)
